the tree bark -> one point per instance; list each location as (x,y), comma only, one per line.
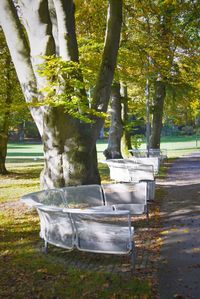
(113,150)
(70,154)
(160,92)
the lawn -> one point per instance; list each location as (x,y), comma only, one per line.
(179,145)
(176,146)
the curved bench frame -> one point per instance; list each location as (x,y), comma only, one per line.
(96,230)
(107,209)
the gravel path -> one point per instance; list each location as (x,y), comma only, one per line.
(179,270)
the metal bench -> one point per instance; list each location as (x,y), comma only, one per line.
(83,196)
(153,161)
(127,170)
(131,196)
(49,197)
(153,152)
(100,230)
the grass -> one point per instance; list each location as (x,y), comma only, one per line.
(179,145)
(176,146)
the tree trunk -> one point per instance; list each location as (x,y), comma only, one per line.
(69,144)
(3,147)
(69,151)
(106,73)
(126,137)
(113,150)
(5,121)
(160,92)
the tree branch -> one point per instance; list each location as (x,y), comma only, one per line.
(68,47)
(20,53)
(109,57)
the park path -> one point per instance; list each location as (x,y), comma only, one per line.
(179,269)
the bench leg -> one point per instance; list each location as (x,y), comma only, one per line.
(133,258)
(147,216)
(45,248)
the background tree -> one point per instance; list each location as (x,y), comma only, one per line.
(161,35)
(113,150)
(12,108)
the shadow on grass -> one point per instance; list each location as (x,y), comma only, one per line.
(27,173)
(104,172)
(22,161)
(25,154)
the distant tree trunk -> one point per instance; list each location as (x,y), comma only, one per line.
(126,137)
(70,155)
(160,84)
(5,121)
(113,150)
(3,146)
(21,132)
(158,105)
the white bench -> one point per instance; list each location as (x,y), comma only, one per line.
(100,229)
(95,227)
(153,161)
(123,196)
(153,152)
(127,170)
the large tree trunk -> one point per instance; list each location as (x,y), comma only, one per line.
(70,154)
(113,150)
(158,105)
(69,144)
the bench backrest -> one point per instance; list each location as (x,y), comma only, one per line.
(128,193)
(56,227)
(127,170)
(139,172)
(153,152)
(119,172)
(155,161)
(50,197)
(83,196)
(103,231)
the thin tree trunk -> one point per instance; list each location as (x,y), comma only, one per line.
(113,150)
(126,137)
(160,92)
(3,145)
(5,123)
(104,81)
